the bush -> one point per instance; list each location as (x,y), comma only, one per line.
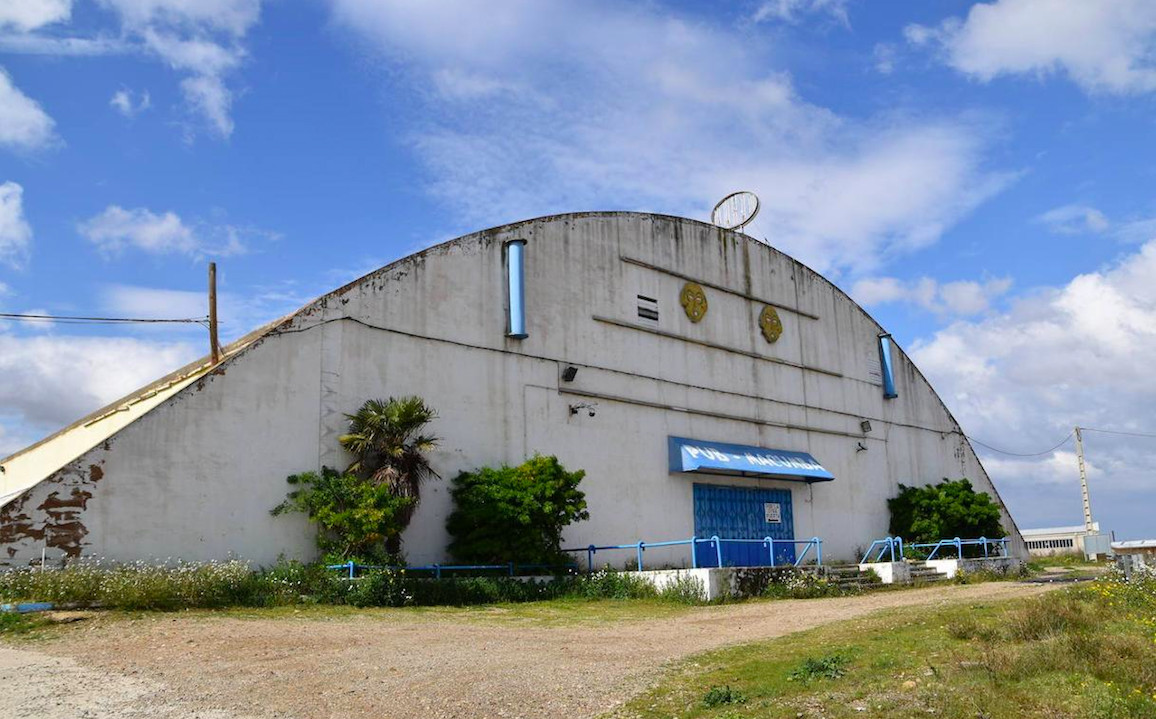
(515,513)
(943,511)
(355,517)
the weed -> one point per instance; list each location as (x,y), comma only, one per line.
(799,584)
(684,590)
(831,666)
(718,696)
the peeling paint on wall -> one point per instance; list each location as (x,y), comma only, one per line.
(50,515)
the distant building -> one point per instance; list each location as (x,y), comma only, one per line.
(1136,555)
(707,384)
(1050,541)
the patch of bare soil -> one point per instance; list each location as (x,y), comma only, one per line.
(396,664)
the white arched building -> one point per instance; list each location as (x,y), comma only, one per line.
(706,383)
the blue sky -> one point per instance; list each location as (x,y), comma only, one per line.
(977,175)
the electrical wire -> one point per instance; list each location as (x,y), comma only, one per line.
(1019,454)
(1112,431)
(71,320)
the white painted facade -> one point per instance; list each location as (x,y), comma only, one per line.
(194,477)
(1051,541)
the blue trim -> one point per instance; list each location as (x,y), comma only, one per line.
(516,289)
(886,367)
(696,455)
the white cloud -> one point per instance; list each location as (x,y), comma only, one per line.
(1104,46)
(122,101)
(1083,219)
(15,232)
(53,380)
(1060,357)
(199,37)
(790,11)
(1074,220)
(212,99)
(963,298)
(232,17)
(1138,231)
(37,44)
(116,229)
(204,40)
(25,15)
(886,57)
(23,124)
(609,105)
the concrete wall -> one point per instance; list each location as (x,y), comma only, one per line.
(195,478)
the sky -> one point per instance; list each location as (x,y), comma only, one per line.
(977,175)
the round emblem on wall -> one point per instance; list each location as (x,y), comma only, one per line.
(693,300)
(770,324)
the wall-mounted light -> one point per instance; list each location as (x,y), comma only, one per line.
(865,425)
(569,373)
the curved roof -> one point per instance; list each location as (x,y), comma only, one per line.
(29,466)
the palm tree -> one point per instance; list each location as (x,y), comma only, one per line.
(389,447)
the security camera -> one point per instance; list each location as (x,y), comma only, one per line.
(588,406)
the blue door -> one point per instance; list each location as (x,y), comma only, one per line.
(742,513)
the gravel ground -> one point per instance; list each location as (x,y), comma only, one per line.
(395,664)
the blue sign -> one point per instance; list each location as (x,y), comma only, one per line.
(696,455)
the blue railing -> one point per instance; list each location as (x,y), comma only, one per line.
(895,549)
(716,542)
(879,547)
(510,569)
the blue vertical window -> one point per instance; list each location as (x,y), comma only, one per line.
(887,367)
(516,289)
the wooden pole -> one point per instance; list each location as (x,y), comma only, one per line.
(214,345)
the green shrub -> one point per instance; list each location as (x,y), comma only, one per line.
(943,511)
(355,517)
(515,513)
(718,696)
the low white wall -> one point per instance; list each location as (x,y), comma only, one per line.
(715,582)
(950,567)
(889,572)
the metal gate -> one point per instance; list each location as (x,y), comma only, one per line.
(742,513)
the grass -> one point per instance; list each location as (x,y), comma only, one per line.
(24,626)
(1086,651)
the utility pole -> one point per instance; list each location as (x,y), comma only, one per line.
(1084,481)
(215,345)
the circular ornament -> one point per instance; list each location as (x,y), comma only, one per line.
(770,324)
(693,300)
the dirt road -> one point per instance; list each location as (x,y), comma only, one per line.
(395,663)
